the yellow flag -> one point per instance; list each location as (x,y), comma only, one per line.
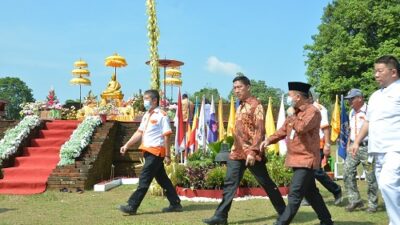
(270,127)
(231,122)
(335,121)
(221,128)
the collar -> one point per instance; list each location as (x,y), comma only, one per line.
(303,107)
(155,110)
(247,100)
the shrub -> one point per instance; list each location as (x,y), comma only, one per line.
(177,172)
(215,177)
(248,180)
(277,170)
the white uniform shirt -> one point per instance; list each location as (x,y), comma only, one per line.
(324,118)
(357,119)
(384,119)
(154,126)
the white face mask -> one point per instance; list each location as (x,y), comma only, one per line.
(289,101)
(147,104)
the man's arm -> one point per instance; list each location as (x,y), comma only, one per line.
(327,145)
(135,138)
(361,135)
(167,149)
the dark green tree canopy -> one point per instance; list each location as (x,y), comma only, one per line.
(207,92)
(16,92)
(353,33)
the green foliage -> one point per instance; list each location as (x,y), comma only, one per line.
(277,170)
(215,177)
(177,173)
(200,159)
(207,92)
(353,33)
(248,180)
(16,92)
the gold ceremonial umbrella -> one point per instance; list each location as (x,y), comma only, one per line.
(115,61)
(171,81)
(174,72)
(80,63)
(80,72)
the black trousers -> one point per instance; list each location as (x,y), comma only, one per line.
(303,185)
(326,181)
(232,180)
(153,168)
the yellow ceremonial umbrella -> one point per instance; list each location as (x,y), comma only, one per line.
(80,72)
(115,61)
(171,81)
(174,72)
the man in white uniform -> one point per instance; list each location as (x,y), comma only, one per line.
(383,129)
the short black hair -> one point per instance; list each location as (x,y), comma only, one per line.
(389,60)
(184,96)
(154,94)
(242,79)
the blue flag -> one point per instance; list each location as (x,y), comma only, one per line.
(344,131)
(212,131)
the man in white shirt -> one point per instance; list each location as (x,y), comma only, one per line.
(357,117)
(154,131)
(383,127)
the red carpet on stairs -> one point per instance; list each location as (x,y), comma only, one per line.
(30,172)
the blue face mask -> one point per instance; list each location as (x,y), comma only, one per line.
(147,104)
(289,101)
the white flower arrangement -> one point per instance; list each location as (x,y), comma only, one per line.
(14,136)
(31,108)
(78,141)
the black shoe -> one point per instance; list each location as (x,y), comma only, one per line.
(338,198)
(215,220)
(304,202)
(371,210)
(127,209)
(352,206)
(173,208)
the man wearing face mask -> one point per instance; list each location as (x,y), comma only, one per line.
(154,131)
(245,153)
(301,131)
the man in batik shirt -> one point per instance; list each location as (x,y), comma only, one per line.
(245,153)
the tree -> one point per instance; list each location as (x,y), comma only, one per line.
(16,92)
(207,92)
(353,33)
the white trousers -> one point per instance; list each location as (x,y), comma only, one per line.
(387,171)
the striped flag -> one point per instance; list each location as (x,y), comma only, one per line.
(192,144)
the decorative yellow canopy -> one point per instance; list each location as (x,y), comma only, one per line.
(80,64)
(80,81)
(79,72)
(174,72)
(115,61)
(173,81)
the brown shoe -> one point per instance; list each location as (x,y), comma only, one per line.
(352,206)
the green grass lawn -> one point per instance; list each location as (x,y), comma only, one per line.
(56,208)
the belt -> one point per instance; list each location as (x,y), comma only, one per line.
(363,144)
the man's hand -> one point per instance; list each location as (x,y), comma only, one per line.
(250,160)
(354,149)
(167,160)
(264,144)
(123,149)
